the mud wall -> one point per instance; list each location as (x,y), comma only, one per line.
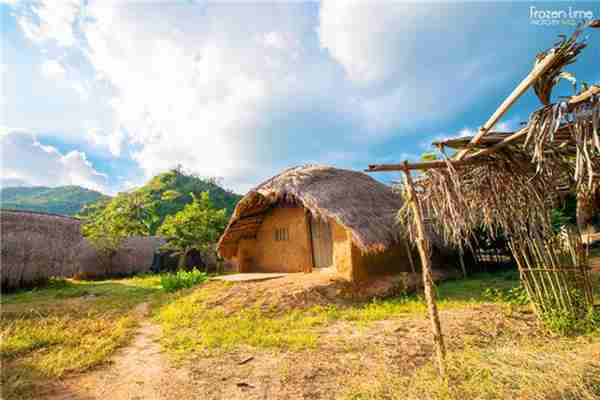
(342,254)
(391,261)
(291,255)
(266,254)
(133,257)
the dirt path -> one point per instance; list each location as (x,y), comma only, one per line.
(138,371)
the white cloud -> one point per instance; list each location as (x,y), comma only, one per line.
(82,90)
(275,40)
(30,162)
(509,125)
(195,84)
(52,69)
(113,141)
(192,93)
(51,21)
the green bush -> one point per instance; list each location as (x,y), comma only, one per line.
(182,279)
(516,296)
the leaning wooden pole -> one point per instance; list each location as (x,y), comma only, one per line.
(539,70)
(424,252)
(410,258)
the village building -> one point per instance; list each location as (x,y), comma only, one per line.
(317,218)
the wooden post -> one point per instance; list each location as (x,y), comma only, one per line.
(424,251)
(410,259)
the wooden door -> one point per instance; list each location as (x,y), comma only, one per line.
(322,244)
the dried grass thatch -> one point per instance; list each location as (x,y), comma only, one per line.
(566,50)
(36,246)
(365,207)
(498,195)
(567,131)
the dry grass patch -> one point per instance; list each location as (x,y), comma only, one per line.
(68,326)
(539,368)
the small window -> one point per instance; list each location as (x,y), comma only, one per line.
(281,234)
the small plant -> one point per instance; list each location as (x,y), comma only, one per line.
(182,279)
(581,319)
(515,296)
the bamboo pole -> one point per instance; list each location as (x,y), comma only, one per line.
(410,259)
(585,95)
(423,165)
(525,84)
(423,247)
(505,142)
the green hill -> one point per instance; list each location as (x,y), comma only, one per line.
(65,200)
(171,191)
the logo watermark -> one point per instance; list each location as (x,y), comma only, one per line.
(570,16)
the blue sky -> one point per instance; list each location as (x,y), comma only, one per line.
(105,94)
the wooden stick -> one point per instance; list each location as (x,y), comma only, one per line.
(505,142)
(410,259)
(422,165)
(423,246)
(585,95)
(525,84)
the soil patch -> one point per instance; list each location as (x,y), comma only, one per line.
(299,291)
(347,355)
(138,371)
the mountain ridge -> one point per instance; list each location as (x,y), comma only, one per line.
(62,200)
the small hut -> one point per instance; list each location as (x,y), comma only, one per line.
(317,218)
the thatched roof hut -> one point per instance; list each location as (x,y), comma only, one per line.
(36,246)
(316,216)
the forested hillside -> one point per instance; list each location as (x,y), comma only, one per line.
(168,193)
(65,200)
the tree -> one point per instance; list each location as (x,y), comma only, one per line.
(128,214)
(196,227)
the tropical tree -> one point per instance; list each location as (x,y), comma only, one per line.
(196,227)
(128,214)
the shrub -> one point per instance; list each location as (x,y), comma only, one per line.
(515,296)
(182,279)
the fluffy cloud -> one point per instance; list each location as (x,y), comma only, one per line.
(52,69)
(202,94)
(113,141)
(198,85)
(51,21)
(27,161)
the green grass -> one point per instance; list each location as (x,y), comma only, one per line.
(70,326)
(130,289)
(191,324)
(67,326)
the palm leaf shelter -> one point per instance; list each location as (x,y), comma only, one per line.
(508,182)
(318,218)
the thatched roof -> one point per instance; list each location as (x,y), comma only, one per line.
(362,205)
